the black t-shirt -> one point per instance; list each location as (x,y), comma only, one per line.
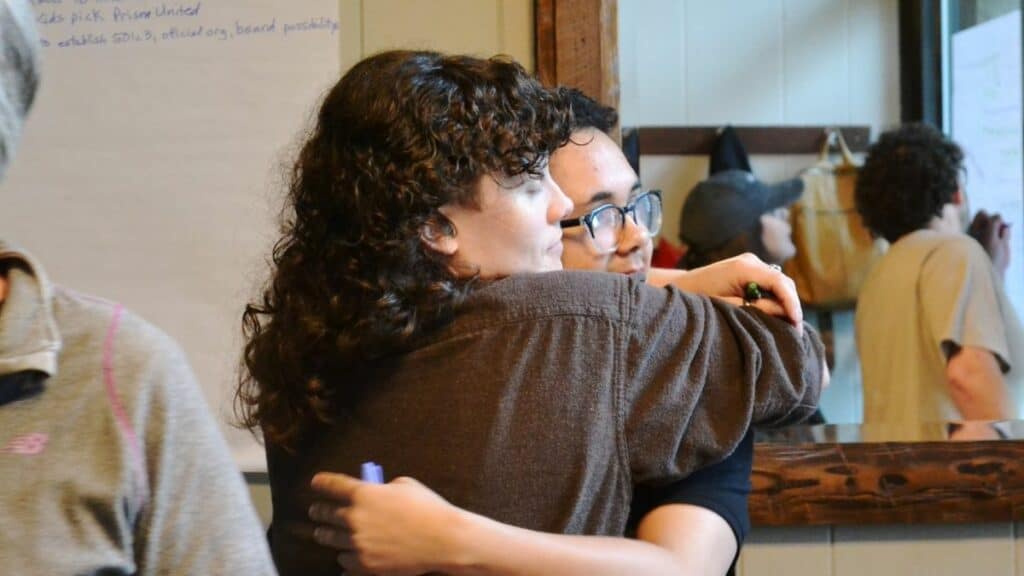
(722,488)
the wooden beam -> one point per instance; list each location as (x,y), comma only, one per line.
(577,45)
(544,33)
(699,140)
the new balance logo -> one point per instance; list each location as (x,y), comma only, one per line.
(26,444)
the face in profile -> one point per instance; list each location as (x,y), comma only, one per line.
(514,228)
(592,171)
(777,236)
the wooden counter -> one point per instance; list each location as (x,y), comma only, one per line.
(834,475)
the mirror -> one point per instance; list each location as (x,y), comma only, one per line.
(785,64)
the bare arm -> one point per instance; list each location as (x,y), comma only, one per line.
(496,548)
(362,521)
(976,385)
(698,535)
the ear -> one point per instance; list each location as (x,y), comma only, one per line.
(439,237)
(958,197)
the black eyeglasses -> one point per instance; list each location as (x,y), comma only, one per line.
(606,222)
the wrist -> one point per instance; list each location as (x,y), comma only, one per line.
(687,281)
(661,277)
(462,543)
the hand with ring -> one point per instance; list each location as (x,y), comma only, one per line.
(753,291)
(731,280)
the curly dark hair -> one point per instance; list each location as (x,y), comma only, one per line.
(908,176)
(589,113)
(400,135)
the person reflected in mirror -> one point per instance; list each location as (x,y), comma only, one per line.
(937,337)
(974,430)
(732,212)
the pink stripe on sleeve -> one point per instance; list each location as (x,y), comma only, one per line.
(117,407)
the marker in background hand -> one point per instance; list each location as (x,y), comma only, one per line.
(372,473)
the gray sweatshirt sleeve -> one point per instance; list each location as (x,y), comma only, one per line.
(195,516)
(697,373)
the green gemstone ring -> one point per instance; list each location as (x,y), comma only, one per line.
(753,292)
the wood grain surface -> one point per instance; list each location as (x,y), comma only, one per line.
(699,140)
(887,483)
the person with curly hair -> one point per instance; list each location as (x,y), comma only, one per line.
(937,338)
(701,519)
(418,316)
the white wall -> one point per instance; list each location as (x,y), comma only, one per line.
(754,62)
(924,550)
(477,27)
(759,62)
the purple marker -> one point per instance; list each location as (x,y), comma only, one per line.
(372,473)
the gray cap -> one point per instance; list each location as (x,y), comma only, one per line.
(729,203)
(19,73)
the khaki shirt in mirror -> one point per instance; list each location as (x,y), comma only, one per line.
(930,293)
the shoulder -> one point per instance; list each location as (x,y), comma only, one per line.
(109,323)
(93,327)
(938,247)
(927,254)
(572,296)
(958,246)
(954,260)
(566,292)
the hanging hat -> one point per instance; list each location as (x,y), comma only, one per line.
(730,203)
(728,153)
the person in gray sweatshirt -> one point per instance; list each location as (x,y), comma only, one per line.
(110,461)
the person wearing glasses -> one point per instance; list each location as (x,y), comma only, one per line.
(701,519)
(418,316)
(606,224)
(615,220)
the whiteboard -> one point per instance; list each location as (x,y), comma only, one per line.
(152,166)
(987,122)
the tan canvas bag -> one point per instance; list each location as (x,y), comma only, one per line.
(834,251)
